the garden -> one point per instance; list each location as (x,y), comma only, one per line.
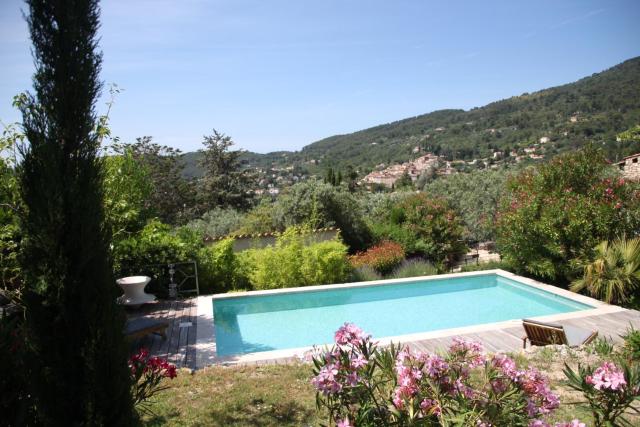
(357,383)
(79,208)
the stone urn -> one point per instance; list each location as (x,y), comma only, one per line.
(133,287)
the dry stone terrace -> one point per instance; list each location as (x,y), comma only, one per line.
(180,345)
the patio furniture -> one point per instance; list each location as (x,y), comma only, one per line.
(141,326)
(541,333)
(133,287)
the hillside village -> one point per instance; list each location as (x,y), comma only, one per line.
(433,165)
(272,180)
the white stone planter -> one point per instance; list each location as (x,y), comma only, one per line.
(133,287)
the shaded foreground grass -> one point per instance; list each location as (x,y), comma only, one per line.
(281,395)
(275,395)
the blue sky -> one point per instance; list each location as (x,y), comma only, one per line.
(279,75)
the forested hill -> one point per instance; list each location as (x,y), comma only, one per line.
(594,109)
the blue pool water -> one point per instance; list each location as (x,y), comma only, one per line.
(247,324)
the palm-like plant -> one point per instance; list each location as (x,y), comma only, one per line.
(614,273)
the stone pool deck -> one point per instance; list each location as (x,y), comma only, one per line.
(190,341)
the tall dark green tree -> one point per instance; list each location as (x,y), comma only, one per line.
(73,324)
(225,183)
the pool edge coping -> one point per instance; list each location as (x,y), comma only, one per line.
(206,354)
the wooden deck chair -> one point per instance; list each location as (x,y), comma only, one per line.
(541,333)
(136,328)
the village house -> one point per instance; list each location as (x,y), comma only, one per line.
(391,174)
(630,167)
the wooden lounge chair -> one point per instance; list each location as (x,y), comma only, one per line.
(136,328)
(541,333)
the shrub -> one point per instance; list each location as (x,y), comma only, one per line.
(127,188)
(383,257)
(156,244)
(146,375)
(10,272)
(365,274)
(632,344)
(17,404)
(561,210)
(290,263)
(609,389)
(316,204)
(219,269)
(602,347)
(218,222)
(325,262)
(424,226)
(10,205)
(491,265)
(387,230)
(414,268)
(361,384)
(613,274)
(475,196)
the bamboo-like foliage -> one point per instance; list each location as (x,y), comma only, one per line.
(613,275)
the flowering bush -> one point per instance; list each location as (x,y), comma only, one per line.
(561,210)
(383,257)
(363,385)
(425,226)
(146,375)
(609,389)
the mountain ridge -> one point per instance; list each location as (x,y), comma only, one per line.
(592,109)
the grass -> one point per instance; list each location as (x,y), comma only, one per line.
(281,395)
(274,395)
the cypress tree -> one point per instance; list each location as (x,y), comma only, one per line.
(73,325)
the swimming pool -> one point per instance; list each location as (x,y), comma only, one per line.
(301,317)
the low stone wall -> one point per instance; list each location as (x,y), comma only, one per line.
(258,241)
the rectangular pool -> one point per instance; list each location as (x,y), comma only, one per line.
(300,318)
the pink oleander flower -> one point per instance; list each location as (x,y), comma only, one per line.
(352,379)
(540,399)
(408,377)
(326,380)
(344,423)
(349,334)
(331,356)
(507,368)
(505,365)
(463,389)
(470,352)
(434,366)
(608,376)
(572,423)
(357,361)
(430,407)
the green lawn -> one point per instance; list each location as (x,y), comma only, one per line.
(276,395)
(281,395)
